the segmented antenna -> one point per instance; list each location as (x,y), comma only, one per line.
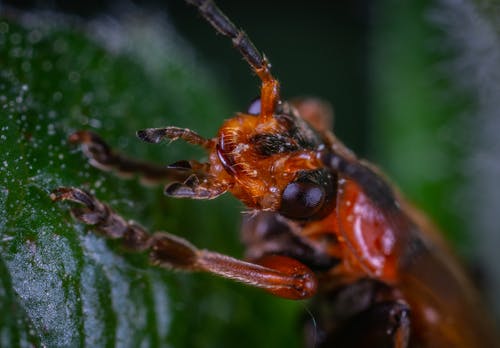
(224,26)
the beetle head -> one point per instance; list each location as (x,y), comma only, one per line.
(272,164)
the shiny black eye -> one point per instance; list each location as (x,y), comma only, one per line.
(254,107)
(302,200)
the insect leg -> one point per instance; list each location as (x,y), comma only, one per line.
(279,275)
(265,233)
(258,62)
(155,135)
(384,324)
(103,157)
(194,188)
(361,313)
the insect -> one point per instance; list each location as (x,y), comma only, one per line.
(325,225)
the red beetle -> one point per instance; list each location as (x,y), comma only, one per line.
(325,223)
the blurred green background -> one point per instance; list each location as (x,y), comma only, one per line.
(414,86)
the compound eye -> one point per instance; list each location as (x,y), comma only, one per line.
(301,200)
(254,107)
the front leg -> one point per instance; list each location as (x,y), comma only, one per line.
(102,156)
(384,325)
(282,276)
(185,179)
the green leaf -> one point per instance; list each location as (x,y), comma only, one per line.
(61,285)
